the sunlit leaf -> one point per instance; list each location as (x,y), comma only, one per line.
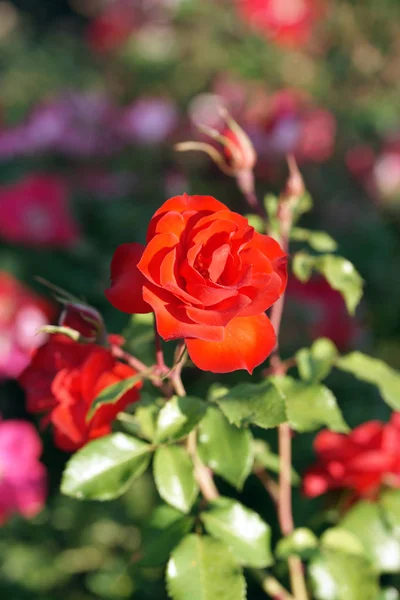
(104,468)
(315,363)
(301,541)
(174,478)
(203,568)
(178,417)
(241,529)
(318,240)
(226,449)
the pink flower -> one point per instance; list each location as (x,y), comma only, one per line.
(22,313)
(286,22)
(35,211)
(23,487)
(148,120)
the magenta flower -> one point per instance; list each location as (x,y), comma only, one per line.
(23,486)
(35,211)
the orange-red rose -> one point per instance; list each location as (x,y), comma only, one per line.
(209,277)
(62,382)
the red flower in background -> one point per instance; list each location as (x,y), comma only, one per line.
(361,462)
(286,22)
(35,211)
(317,310)
(209,277)
(112,28)
(23,486)
(63,380)
(22,314)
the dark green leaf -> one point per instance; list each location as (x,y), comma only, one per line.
(315,363)
(202,568)
(178,417)
(265,458)
(374,371)
(174,478)
(113,393)
(311,406)
(339,576)
(226,449)
(166,529)
(260,404)
(301,541)
(365,521)
(241,529)
(104,468)
(318,240)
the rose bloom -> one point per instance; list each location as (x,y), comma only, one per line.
(286,22)
(23,485)
(22,314)
(63,380)
(209,278)
(361,462)
(35,211)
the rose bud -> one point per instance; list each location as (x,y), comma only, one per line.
(235,155)
(85,319)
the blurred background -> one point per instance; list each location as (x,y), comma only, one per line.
(93,96)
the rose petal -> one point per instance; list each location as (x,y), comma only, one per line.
(125,292)
(247,343)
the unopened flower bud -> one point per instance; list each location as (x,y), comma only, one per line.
(84,319)
(295,187)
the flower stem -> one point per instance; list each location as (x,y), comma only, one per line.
(270,585)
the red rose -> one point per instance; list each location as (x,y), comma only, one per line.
(363,461)
(63,380)
(209,277)
(287,22)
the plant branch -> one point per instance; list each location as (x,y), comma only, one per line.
(271,586)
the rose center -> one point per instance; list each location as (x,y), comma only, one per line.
(201,265)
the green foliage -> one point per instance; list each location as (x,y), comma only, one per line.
(241,529)
(178,417)
(375,371)
(301,541)
(174,478)
(166,528)
(340,576)
(264,457)
(203,568)
(318,240)
(143,422)
(337,538)
(259,404)
(310,406)
(113,393)
(316,363)
(104,468)
(226,449)
(380,542)
(338,271)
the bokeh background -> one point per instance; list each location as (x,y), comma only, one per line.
(93,96)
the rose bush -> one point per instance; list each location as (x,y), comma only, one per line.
(209,277)
(62,382)
(361,462)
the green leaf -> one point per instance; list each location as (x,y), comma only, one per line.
(338,271)
(304,204)
(315,363)
(202,568)
(382,547)
(226,449)
(265,458)
(339,576)
(104,468)
(318,240)
(241,529)
(113,393)
(310,406)
(375,371)
(142,423)
(390,506)
(259,404)
(166,529)
(178,417)
(256,222)
(337,538)
(271,208)
(174,478)
(301,541)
